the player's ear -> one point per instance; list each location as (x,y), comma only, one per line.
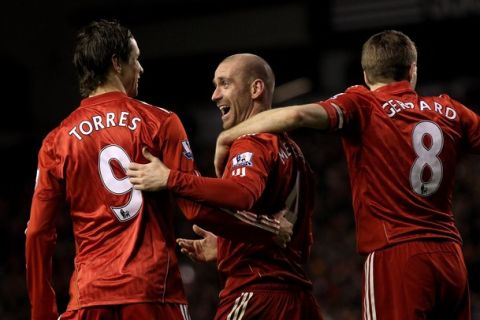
(365,78)
(116,64)
(412,74)
(257,88)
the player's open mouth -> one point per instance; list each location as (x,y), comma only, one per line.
(224,109)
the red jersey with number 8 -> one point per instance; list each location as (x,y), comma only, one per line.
(402,150)
(124,239)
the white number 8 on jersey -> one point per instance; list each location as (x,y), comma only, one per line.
(426,157)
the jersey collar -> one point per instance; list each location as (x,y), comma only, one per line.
(108,96)
(396,88)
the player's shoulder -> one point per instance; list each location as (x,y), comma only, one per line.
(155,114)
(51,140)
(264,142)
(357,89)
(446,98)
(261,138)
(148,107)
(446,101)
(51,136)
(353,92)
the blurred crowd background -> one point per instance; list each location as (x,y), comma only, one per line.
(314,50)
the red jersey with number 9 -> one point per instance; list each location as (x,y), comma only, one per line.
(401,151)
(124,239)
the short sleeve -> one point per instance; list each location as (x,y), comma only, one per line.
(250,161)
(347,110)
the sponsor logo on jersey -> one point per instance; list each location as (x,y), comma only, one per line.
(242,160)
(187,152)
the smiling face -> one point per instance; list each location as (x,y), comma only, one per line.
(232,92)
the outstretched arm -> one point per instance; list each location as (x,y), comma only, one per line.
(153,176)
(274,120)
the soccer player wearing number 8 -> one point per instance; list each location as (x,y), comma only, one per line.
(125,265)
(401,150)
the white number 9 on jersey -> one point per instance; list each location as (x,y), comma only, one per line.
(426,157)
(119,186)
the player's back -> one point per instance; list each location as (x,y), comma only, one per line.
(125,246)
(402,150)
(278,161)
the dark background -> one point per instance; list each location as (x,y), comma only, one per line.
(314,49)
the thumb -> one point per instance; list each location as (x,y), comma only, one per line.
(220,160)
(219,163)
(150,157)
(199,231)
(281,213)
(218,172)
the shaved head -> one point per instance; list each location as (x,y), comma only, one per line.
(253,67)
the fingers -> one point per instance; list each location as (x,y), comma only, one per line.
(186,244)
(135,181)
(133,166)
(132,173)
(187,248)
(282,241)
(153,160)
(187,253)
(137,185)
(191,255)
(150,157)
(199,231)
(280,214)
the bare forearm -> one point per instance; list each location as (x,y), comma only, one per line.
(274,120)
(278,120)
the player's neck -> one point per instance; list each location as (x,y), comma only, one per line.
(257,108)
(377,85)
(107,88)
(112,84)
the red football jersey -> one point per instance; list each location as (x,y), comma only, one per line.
(265,174)
(401,151)
(124,239)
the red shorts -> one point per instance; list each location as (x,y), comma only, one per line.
(130,311)
(269,301)
(416,280)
